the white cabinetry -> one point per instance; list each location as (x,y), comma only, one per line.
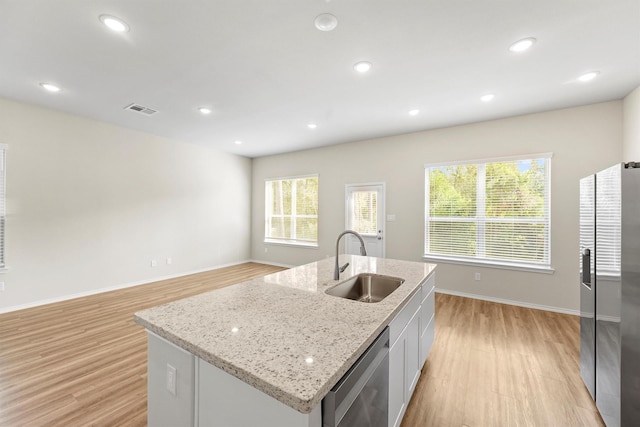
(411,336)
(413,353)
(198,394)
(224,400)
(396,381)
(427,319)
(183,390)
(170,391)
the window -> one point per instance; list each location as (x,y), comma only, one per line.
(291,214)
(3,155)
(490,211)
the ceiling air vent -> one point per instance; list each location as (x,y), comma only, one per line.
(141,109)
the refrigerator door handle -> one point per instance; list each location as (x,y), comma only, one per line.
(586,267)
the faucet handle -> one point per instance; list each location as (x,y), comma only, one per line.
(344,267)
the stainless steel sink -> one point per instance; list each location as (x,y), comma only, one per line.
(366,287)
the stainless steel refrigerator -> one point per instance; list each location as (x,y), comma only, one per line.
(610,292)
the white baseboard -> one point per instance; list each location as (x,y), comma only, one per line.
(276,264)
(173,276)
(610,319)
(510,302)
(116,287)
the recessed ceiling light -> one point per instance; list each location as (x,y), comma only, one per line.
(237,142)
(312,125)
(115,24)
(204,110)
(362,66)
(326,22)
(414,112)
(50,87)
(522,45)
(586,77)
(488,97)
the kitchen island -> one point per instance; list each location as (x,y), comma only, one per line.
(279,341)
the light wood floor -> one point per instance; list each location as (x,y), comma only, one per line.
(83,362)
(500,365)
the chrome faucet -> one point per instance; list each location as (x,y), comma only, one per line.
(363,252)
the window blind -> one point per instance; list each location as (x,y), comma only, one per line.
(492,210)
(291,211)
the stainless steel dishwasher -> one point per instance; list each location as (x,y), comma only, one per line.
(361,397)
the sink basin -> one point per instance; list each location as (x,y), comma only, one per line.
(366,287)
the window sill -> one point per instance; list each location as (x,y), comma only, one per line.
(291,243)
(491,264)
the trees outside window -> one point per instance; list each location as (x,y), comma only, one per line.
(493,211)
(291,210)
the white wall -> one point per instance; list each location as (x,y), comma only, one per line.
(583,140)
(631,132)
(90,204)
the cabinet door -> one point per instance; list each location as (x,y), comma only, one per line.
(427,326)
(397,377)
(413,355)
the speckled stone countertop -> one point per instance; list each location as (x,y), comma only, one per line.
(281,333)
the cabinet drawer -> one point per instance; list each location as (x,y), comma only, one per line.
(429,285)
(401,320)
(427,310)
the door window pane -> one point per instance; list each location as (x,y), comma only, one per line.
(364,218)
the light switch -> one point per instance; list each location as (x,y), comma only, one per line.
(391,217)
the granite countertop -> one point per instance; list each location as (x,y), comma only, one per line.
(281,333)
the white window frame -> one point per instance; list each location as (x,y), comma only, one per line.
(267,215)
(480,219)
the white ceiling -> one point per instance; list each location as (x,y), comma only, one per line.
(266,71)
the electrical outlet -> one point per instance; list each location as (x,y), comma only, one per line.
(154,263)
(169,260)
(1,286)
(477,276)
(266,250)
(171,379)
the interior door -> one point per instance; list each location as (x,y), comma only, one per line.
(365,215)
